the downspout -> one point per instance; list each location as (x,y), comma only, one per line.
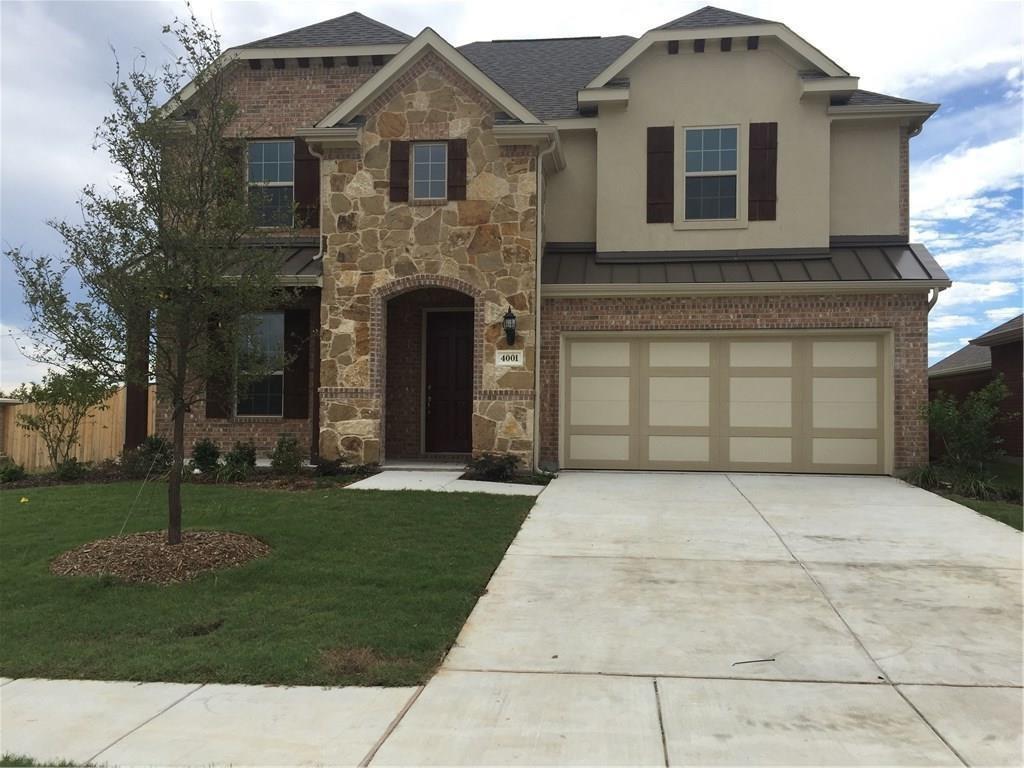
(320,214)
(539,247)
(314,416)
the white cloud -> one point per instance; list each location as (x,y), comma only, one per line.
(1002,314)
(945,322)
(975,293)
(954,186)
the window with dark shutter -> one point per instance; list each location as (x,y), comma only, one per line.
(398,181)
(761,185)
(660,175)
(307,186)
(296,371)
(457,169)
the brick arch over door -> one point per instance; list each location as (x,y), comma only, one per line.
(379,298)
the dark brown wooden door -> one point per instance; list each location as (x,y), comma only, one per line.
(449,377)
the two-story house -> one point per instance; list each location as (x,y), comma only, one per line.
(687,250)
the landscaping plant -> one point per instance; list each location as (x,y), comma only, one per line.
(10,470)
(60,405)
(205,456)
(287,456)
(239,463)
(496,467)
(153,458)
(967,428)
(162,276)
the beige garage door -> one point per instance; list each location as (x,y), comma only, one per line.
(759,403)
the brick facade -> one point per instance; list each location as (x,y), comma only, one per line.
(905,314)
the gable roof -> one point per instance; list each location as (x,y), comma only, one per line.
(427,40)
(351,29)
(964,360)
(545,75)
(862,98)
(709,16)
(1011,330)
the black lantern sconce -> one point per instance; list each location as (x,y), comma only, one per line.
(508,322)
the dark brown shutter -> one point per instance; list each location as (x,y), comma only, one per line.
(399,179)
(307,187)
(219,397)
(236,163)
(660,142)
(761,194)
(457,169)
(296,370)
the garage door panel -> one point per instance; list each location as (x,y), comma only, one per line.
(739,402)
(599,447)
(679,448)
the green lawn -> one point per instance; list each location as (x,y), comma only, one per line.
(361,587)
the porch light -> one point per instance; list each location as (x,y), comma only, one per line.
(508,322)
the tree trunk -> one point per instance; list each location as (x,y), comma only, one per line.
(174,481)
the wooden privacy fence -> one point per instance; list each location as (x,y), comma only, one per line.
(102,433)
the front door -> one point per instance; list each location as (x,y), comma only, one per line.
(448,399)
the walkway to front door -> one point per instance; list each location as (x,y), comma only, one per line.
(713,619)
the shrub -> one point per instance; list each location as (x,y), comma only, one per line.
(496,467)
(205,456)
(151,459)
(71,469)
(239,463)
(287,456)
(330,468)
(926,476)
(975,485)
(11,471)
(967,429)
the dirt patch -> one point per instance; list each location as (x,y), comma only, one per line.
(368,665)
(147,558)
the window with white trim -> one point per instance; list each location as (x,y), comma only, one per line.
(710,177)
(271,176)
(430,171)
(264,345)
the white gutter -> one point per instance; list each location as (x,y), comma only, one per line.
(554,149)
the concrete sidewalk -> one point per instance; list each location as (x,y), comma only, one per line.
(116,723)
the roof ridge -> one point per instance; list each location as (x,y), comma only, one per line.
(328,23)
(712,16)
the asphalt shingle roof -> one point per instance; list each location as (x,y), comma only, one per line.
(351,29)
(861,98)
(971,356)
(709,16)
(544,75)
(1013,324)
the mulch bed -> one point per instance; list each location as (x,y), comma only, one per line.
(147,558)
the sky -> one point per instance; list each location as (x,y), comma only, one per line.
(56,61)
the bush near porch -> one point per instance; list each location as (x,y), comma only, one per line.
(360,587)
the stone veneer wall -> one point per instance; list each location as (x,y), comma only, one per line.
(905,314)
(483,246)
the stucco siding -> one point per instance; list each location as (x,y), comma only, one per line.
(570,209)
(865,178)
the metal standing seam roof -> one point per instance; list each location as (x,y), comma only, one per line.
(351,29)
(863,263)
(964,360)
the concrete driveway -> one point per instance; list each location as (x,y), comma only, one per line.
(735,619)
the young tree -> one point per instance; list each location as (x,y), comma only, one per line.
(61,404)
(166,254)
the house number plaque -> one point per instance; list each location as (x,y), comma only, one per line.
(510,358)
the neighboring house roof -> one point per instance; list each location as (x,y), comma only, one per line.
(578,264)
(709,16)
(545,75)
(1011,330)
(351,29)
(965,360)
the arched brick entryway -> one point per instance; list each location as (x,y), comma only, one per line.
(399,315)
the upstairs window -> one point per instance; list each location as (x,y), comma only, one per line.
(430,171)
(271,175)
(710,173)
(264,396)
